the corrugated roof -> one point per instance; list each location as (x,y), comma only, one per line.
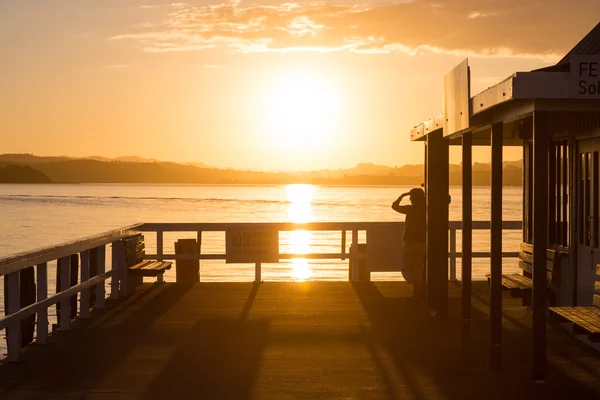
(589,45)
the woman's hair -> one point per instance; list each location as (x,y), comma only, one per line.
(417,196)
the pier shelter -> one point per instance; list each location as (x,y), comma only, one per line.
(553,114)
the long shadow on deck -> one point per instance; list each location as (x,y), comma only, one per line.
(427,353)
(146,347)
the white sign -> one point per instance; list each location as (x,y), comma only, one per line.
(384,248)
(252,246)
(585,77)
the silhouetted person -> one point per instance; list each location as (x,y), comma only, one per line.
(413,240)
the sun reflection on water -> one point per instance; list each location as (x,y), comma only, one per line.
(300,210)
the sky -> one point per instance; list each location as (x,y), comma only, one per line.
(259,85)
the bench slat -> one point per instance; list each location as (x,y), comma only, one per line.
(153,269)
(141,265)
(515,281)
(587,318)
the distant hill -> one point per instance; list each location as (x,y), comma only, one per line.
(134,169)
(22,174)
(32,159)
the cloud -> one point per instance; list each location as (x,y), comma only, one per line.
(479,14)
(496,28)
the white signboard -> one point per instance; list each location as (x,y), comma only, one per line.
(251,246)
(384,248)
(585,77)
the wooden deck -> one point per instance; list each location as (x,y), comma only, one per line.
(293,341)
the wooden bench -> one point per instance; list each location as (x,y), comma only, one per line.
(585,319)
(137,267)
(521,285)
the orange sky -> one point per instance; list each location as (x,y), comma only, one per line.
(265,85)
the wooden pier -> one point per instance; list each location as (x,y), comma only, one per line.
(316,340)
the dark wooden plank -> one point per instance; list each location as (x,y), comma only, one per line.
(552,192)
(496,246)
(140,265)
(526,257)
(437,224)
(540,243)
(526,247)
(467,234)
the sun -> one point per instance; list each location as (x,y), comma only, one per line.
(301,112)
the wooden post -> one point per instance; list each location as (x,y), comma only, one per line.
(199,252)
(27,297)
(540,243)
(453,254)
(437,195)
(42,294)
(467,234)
(496,248)
(159,245)
(63,309)
(73,277)
(122,268)
(114,264)
(343,245)
(93,271)
(101,268)
(257,273)
(12,305)
(84,311)
(354,256)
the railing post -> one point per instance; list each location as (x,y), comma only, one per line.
(199,236)
(42,294)
(159,245)
(84,305)
(343,245)
(13,305)
(453,254)
(116,270)
(257,273)
(64,267)
(101,268)
(354,256)
(122,268)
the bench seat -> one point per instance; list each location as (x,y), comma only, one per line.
(137,267)
(149,268)
(521,285)
(585,319)
(516,283)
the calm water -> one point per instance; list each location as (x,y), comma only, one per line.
(33,216)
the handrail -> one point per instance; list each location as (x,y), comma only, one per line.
(280,226)
(19,261)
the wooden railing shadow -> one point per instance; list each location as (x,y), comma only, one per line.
(429,356)
(82,357)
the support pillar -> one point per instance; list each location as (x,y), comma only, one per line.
(467,234)
(496,248)
(437,195)
(540,243)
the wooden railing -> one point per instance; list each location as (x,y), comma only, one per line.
(11,267)
(454,226)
